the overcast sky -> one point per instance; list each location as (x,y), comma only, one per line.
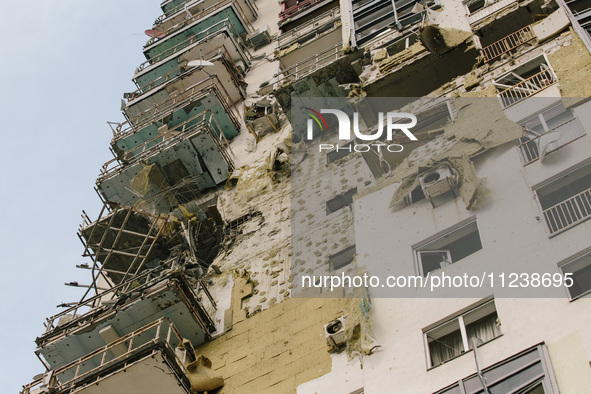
(65,65)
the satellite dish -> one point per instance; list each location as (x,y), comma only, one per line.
(199,63)
(154,33)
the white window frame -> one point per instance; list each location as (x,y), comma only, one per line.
(586,254)
(459,317)
(422,247)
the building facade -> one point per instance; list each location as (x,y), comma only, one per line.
(212,261)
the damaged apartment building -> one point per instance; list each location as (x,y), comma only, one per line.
(216,205)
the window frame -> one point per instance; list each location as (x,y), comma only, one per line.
(459,318)
(423,246)
(585,254)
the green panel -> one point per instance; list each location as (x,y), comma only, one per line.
(200,156)
(180,37)
(180,115)
(171,66)
(170,6)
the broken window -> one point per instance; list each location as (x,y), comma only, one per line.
(547,132)
(372,17)
(566,200)
(525,81)
(342,258)
(449,248)
(454,336)
(340,201)
(580,268)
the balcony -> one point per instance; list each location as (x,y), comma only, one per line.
(566,200)
(219,11)
(508,44)
(146,356)
(480,9)
(168,291)
(568,213)
(196,40)
(309,38)
(549,141)
(182,77)
(527,87)
(178,14)
(123,242)
(310,65)
(192,154)
(209,94)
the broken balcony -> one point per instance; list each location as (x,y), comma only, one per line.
(524,82)
(123,242)
(193,154)
(309,38)
(373,17)
(547,132)
(508,44)
(183,77)
(169,291)
(139,362)
(144,124)
(310,65)
(175,15)
(295,13)
(216,13)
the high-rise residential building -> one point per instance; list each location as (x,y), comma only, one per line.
(341,197)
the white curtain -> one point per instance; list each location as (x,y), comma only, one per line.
(483,330)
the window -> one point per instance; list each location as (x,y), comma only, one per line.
(566,201)
(454,336)
(580,268)
(547,132)
(528,372)
(339,152)
(340,201)
(448,248)
(342,258)
(525,81)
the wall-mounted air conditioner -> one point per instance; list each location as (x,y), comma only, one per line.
(335,332)
(438,181)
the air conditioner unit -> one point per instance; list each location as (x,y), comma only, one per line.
(259,38)
(335,332)
(438,181)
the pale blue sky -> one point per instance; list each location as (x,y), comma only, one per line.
(65,65)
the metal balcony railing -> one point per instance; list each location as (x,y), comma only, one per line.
(291,11)
(160,335)
(221,53)
(311,64)
(507,44)
(199,37)
(568,213)
(178,100)
(528,87)
(204,122)
(570,131)
(293,35)
(173,29)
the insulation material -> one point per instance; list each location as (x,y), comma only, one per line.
(551,25)
(393,62)
(202,377)
(358,331)
(572,65)
(480,125)
(150,183)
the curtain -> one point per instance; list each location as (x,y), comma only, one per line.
(446,347)
(483,329)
